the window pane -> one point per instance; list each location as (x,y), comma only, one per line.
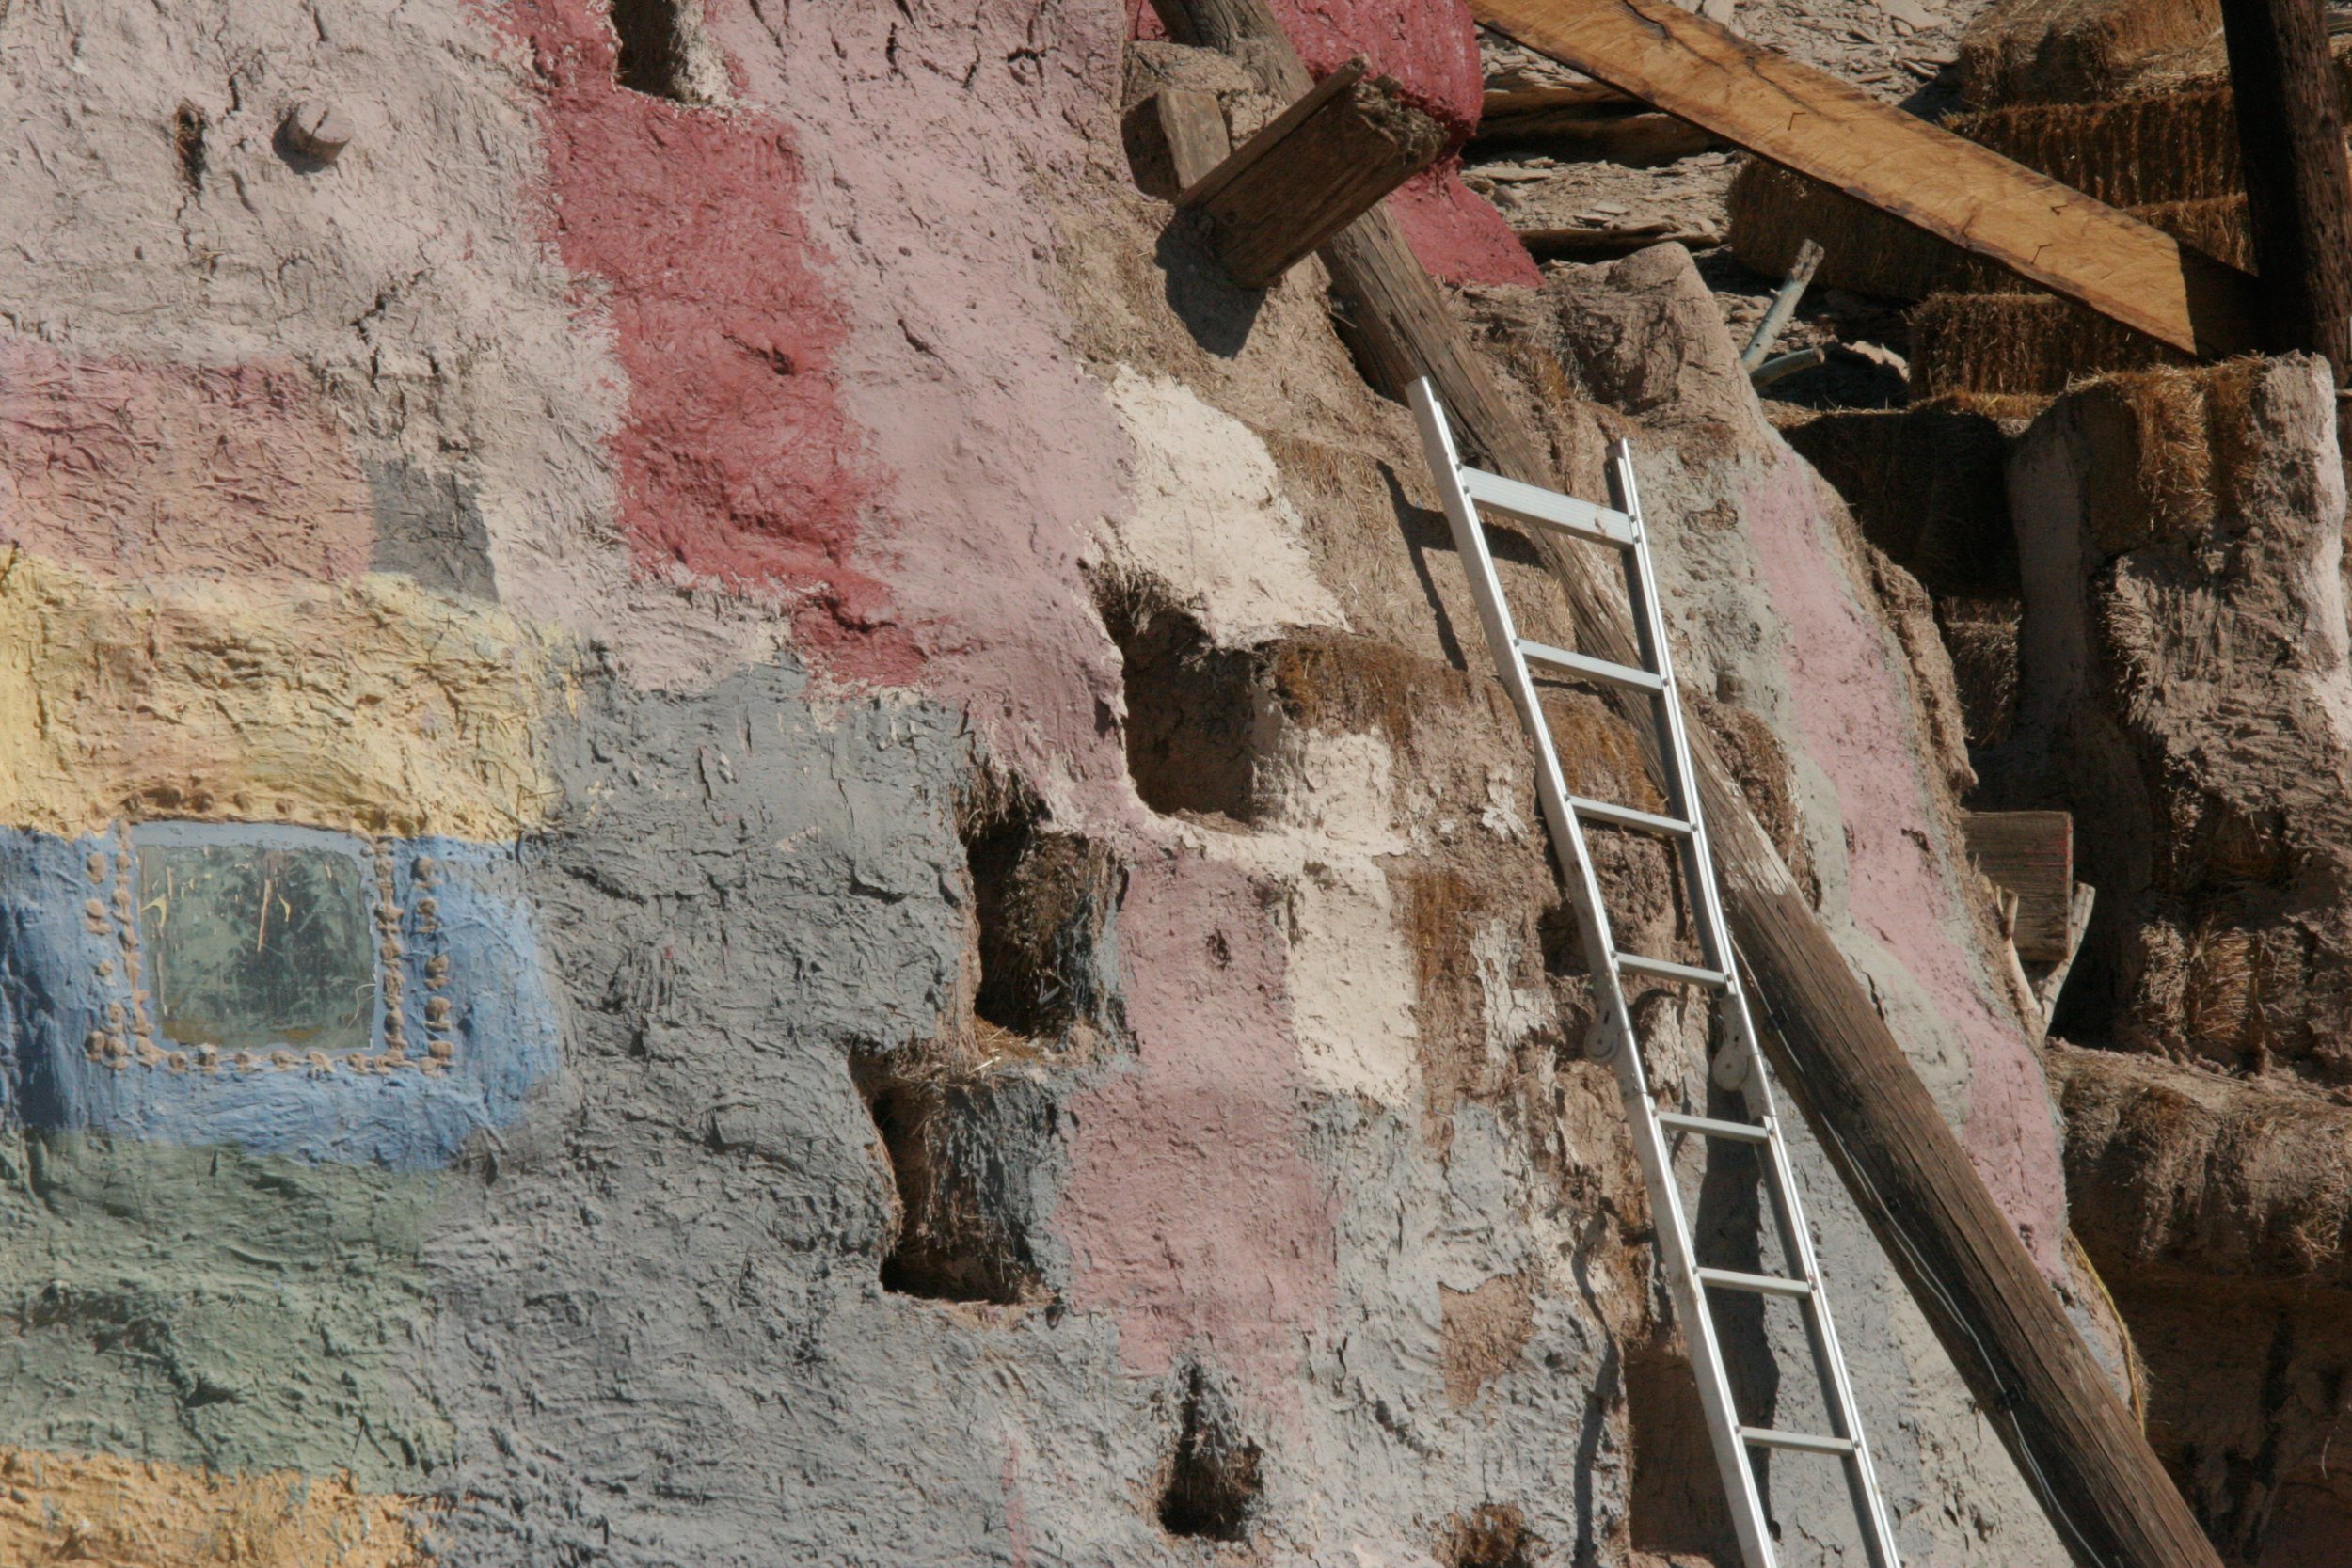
(251,947)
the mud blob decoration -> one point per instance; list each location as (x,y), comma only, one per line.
(288,990)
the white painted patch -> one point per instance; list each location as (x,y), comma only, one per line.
(1209,520)
(1512,1011)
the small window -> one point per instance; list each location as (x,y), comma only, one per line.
(255,946)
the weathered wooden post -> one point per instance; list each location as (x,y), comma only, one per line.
(2299,196)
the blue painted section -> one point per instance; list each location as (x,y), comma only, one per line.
(55,994)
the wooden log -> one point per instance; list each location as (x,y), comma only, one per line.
(1321,165)
(1607,245)
(2299,196)
(2031,853)
(1173,139)
(1586,123)
(1819,127)
(1999,1320)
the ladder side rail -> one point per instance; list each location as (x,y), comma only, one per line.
(1749,1520)
(1649,623)
(1829,1357)
(1754,1084)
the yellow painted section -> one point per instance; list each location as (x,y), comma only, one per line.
(370,703)
(134,1514)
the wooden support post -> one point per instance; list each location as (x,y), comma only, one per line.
(1811,122)
(2031,853)
(2299,198)
(1321,165)
(1174,138)
(1999,1320)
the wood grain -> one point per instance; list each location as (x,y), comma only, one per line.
(1587,123)
(1825,130)
(2299,198)
(1173,138)
(2031,853)
(1318,167)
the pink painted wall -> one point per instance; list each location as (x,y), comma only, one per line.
(1845,683)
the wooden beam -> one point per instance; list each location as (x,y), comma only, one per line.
(1173,138)
(1586,123)
(1955,190)
(2031,853)
(2299,197)
(1607,245)
(1321,165)
(1998,1319)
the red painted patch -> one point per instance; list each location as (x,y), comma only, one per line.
(737,460)
(1193,1210)
(1457,234)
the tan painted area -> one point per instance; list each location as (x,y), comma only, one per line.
(138,470)
(373,704)
(136,1514)
(1208,516)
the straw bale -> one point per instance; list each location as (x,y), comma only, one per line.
(1773,212)
(2128,153)
(2033,343)
(2072,51)
(1926,485)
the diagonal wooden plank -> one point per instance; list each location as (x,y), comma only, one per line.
(1817,125)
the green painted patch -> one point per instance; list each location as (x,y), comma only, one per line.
(203,1306)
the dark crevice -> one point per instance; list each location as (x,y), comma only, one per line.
(187,145)
(962,1153)
(660,41)
(1042,905)
(1194,710)
(1214,1482)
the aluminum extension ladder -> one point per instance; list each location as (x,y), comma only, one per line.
(1739,1065)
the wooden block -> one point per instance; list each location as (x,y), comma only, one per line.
(2031,854)
(1174,138)
(1809,121)
(1323,163)
(1588,123)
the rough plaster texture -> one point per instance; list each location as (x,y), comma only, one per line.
(2183,689)
(796,436)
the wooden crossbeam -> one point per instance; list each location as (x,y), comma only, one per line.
(1809,122)
(1175,137)
(1324,161)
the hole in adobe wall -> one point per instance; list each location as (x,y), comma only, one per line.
(1194,711)
(961,1154)
(1492,1535)
(1042,904)
(663,52)
(187,145)
(1214,1481)
(1677,1503)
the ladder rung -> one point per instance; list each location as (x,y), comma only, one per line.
(1548,508)
(1732,1132)
(1626,816)
(1756,1284)
(1661,969)
(1804,1442)
(1592,669)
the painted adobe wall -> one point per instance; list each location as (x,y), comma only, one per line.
(1004,998)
